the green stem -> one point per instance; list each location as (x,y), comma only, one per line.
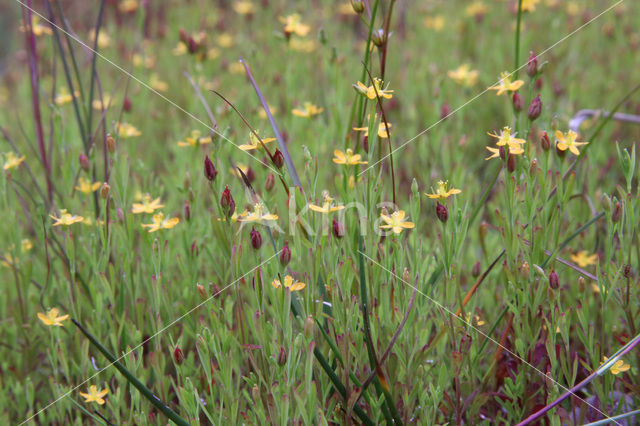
(517,55)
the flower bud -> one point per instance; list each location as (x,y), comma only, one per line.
(184,37)
(535,108)
(187,211)
(358,6)
(192,45)
(532,65)
(256,239)
(84,162)
(111,144)
(554,281)
(616,215)
(338,229)
(178,356)
(210,171)
(518,102)
(475,271)
(201,291)
(545,143)
(442,213)
(511,163)
(282,357)
(104,190)
(120,214)
(126,104)
(379,37)
(533,168)
(251,175)
(227,203)
(285,254)
(503,152)
(445,110)
(269,182)
(278,159)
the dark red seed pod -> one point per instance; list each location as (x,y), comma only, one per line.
(251,175)
(511,163)
(442,213)
(338,229)
(178,356)
(256,239)
(210,171)
(187,211)
(269,182)
(532,65)
(445,110)
(285,254)
(616,215)
(545,143)
(227,203)
(535,108)
(278,159)
(126,104)
(518,102)
(84,162)
(554,281)
(475,271)
(282,357)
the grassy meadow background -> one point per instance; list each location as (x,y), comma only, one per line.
(161,263)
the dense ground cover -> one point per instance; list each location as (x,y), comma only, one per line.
(382,214)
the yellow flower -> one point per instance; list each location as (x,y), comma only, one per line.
(619,367)
(195,139)
(506,138)
(64,97)
(225,40)
(567,140)
(66,219)
(463,75)
(213,53)
(147,205)
(370,91)
(529,5)
(180,49)
(126,130)
(243,7)
(85,186)
(159,222)
(435,23)
(259,214)
(476,319)
(103,38)
(396,222)
(11,160)
(292,24)
(95,395)
(582,258)
(157,84)
(254,142)
(308,110)
(128,6)
(302,45)
(26,245)
(37,27)
(382,130)
(348,158)
(477,8)
(104,104)
(236,68)
(289,283)
(442,193)
(52,318)
(327,206)
(506,85)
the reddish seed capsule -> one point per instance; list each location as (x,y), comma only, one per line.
(278,158)
(511,163)
(503,152)
(84,162)
(532,65)
(475,271)
(210,171)
(554,281)
(545,143)
(285,254)
(111,144)
(282,357)
(184,37)
(104,190)
(535,108)
(251,175)
(227,203)
(616,215)
(269,182)
(187,211)
(518,102)
(256,239)
(445,110)
(442,213)
(178,356)
(338,229)
(126,104)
